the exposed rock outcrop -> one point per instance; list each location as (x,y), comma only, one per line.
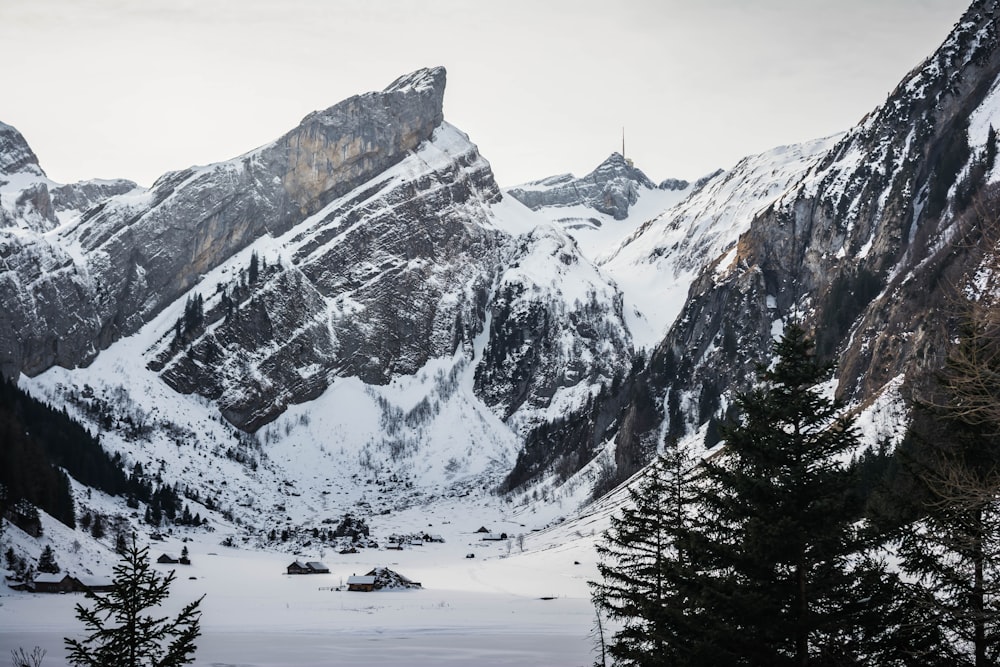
(15,154)
(395,273)
(86,194)
(611,188)
(866,247)
(556,329)
(142,250)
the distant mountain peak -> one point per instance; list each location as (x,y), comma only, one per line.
(618,166)
(15,154)
(422,80)
(610,188)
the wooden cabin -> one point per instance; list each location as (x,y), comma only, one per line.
(55,583)
(298,567)
(311,567)
(96,584)
(363,583)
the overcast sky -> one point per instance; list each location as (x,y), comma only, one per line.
(133,88)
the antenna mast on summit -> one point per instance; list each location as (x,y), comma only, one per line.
(623,141)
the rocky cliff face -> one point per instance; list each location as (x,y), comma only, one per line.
(48,297)
(366,243)
(148,251)
(135,253)
(611,188)
(864,248)
(85,195)
(15,154)
(375,284)
(557,332)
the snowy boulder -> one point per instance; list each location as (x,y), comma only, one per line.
(386,579)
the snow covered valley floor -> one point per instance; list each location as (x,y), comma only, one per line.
(502,607)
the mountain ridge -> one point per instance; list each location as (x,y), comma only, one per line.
(414,321)
(860,250)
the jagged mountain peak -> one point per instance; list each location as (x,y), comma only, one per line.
(15,154)
(864,247)
(137,252)
(422,80)
(611,188)
(428,84)
(29,200)
(618,166)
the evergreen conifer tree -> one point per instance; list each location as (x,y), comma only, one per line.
(254,268)
(122,634)
(97,527)
(780,578)
(646,567)
(47,561)
(121,544)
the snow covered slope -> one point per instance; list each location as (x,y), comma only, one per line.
(287,338)
(866,246)
(656,265)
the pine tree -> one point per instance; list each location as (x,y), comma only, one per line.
(120,632)
(11,558)
(646,568)
(121,544)
(781,582)
(97,530)
(254,268)
(991,148)
(47,561)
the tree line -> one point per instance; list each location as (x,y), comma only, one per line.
(39,445)
(774,549)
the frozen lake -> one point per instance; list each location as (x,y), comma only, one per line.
(487,611)
(385,647)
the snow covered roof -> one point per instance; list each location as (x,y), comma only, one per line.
(50,578)
(91,580)
(362,579)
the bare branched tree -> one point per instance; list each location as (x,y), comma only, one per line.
(21,658)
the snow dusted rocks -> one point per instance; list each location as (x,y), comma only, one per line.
(148,250)
(381,280)
(611,188)
(557,332)
(15,154)
(129,256)
(49,316)
(864,246)
(86,194)
(367,243)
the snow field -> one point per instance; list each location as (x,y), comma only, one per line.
(487,610)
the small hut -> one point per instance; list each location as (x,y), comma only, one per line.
(55,583)
(96,584)
(363,583)
(298,567)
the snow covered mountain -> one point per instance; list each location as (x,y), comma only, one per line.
(611,188)
(355,298)
(49,317)
(866,245)
(357,306)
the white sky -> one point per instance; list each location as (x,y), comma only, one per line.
(133,88)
